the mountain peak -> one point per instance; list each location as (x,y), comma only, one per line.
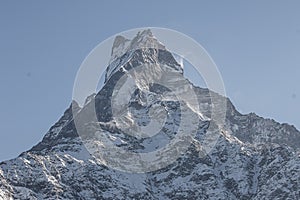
(143,39)
(125,51)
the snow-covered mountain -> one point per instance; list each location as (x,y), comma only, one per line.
(253,158)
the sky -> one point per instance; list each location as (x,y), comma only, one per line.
(255,44)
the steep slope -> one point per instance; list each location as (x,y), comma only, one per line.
(253,158)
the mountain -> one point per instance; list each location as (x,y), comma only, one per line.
(253,157)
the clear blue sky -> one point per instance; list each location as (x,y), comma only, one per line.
(255,44)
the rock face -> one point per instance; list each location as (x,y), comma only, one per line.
(253,158)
